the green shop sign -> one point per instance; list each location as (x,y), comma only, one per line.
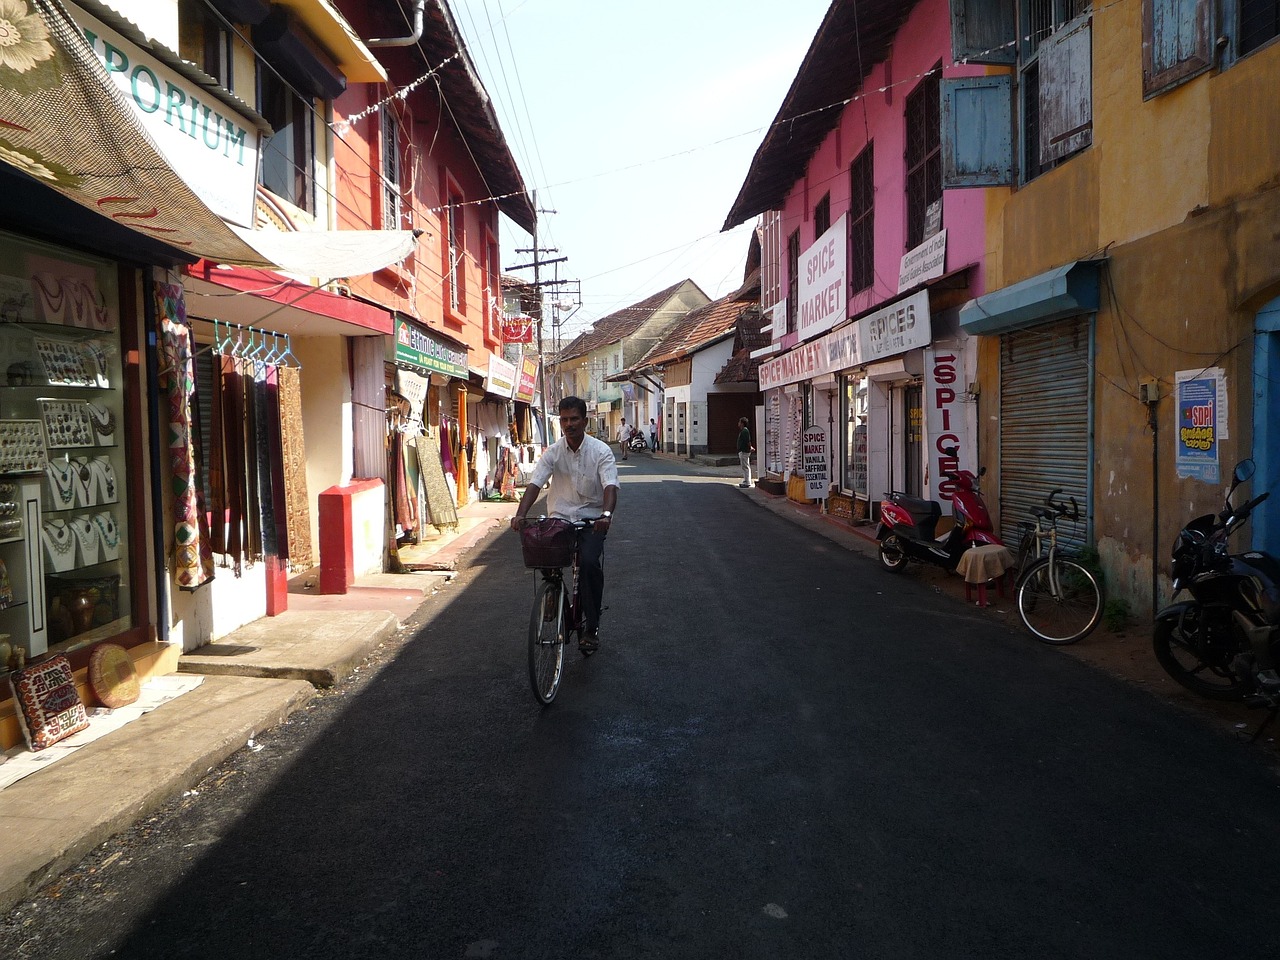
(422,350)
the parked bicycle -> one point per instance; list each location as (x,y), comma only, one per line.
(1059,599)
(550,546)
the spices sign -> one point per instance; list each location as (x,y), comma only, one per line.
(817,475)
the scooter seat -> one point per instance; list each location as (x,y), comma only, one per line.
(925,513)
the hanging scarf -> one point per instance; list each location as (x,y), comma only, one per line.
(293,459)
(234,440)
(262,463)
(275,463)
(217,465)
(193,556)
(253,448)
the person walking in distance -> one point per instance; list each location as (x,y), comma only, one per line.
(623,435)
(653,435)
(584,483)
(745,449)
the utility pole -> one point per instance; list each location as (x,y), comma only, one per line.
(537,265)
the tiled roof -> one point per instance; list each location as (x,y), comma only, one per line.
(740,367)
(620,324)
(696,329)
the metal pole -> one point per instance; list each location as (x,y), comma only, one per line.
(542,357)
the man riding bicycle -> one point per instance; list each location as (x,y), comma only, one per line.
(584,483)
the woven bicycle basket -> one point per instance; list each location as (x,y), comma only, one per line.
(548,543)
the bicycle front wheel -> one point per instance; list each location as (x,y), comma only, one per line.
(546,639)
(1060,601)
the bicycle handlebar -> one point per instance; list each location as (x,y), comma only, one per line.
(1058,507)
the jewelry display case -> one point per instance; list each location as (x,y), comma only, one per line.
(62,465)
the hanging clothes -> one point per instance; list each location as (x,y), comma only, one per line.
(293,458)
(193,555)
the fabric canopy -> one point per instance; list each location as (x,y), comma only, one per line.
(63,123)
(330,253)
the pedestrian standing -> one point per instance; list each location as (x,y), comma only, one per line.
(623,436)
(745,449)
(653,435)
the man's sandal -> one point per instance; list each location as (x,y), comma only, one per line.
(589,643)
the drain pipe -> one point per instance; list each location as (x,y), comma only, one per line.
(161,566)
(418,7)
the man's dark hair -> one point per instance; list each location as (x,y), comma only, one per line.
(574,403)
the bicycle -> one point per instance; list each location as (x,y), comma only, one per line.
(1059,599)
(549,546)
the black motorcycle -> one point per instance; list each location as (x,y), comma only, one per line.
(1223,643)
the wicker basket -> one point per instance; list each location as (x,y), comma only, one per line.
(548,543)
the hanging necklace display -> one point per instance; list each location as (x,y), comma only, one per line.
(62,484)
(105,477)
(86,483)
(59,546)
(22,447)
(103,422)
(68,423)
(86,540)
(108,534)
(96,363)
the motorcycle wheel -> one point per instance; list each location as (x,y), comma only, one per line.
(1178,655)
(892,554)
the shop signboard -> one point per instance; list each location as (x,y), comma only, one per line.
(527,382)
(212,148)
(517,328)
(896,328)
(836,351)
(422,350)
(821,301)
(946,421)
(924,262)
(501,380)
(817,461)
(1201,422)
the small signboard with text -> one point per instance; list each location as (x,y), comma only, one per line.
(816,460)
(924,262)
(517,328)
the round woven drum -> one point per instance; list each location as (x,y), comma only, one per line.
(111,675)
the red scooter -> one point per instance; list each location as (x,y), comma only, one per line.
(908,525)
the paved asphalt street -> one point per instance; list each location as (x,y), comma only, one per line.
(779,752)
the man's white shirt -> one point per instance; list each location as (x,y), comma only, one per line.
(578,477)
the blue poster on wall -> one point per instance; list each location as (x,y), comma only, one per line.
(1198,433)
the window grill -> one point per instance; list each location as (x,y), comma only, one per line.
(861,222)
(924,153)
(1259,22)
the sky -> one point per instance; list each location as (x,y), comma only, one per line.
(636,125)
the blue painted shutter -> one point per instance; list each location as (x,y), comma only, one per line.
(983,31)
(1177,42)
(976,132)
(1066,90)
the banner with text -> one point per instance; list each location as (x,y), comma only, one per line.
(946,421)
(834,352)
(817,469)
(822,299)
(901,326)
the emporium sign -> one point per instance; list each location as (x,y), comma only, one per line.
(418,348)
(214,150)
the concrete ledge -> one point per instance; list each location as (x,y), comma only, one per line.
(318,646)
(55,817)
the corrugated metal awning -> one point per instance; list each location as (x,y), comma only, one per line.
(1064,291)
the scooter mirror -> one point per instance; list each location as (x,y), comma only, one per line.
(1243,471)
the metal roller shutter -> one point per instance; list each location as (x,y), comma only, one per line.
(1045,424)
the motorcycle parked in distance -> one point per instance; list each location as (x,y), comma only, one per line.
(1224,641)
(637,442)
(908,525)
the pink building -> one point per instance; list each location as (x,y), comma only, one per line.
(867,260)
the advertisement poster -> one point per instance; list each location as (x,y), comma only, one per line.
(817,475)
(1198,425)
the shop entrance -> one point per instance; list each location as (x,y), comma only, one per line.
(913,440)
(1266,423)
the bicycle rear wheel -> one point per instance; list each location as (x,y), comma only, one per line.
(546,638)
(1061,605)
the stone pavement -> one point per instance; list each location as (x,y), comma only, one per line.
(254,678)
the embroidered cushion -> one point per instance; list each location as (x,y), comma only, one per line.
(49,707)
(112,676)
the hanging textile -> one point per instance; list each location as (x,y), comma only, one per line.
(253,448)
(439,498)
(193,555)
(293,459)
(406,514)
(216,463)
(233,432)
